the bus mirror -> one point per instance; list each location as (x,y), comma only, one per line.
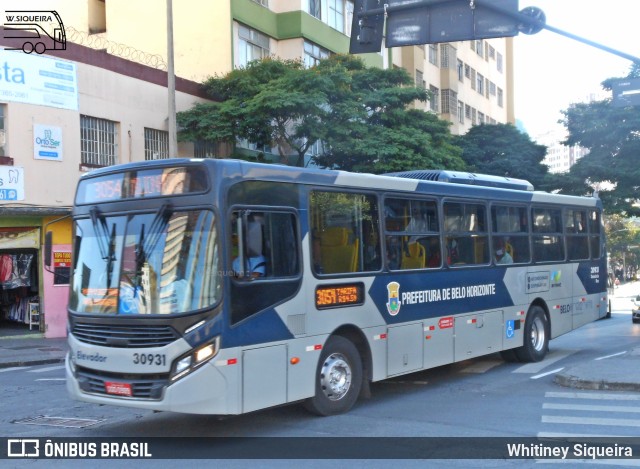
(48,244)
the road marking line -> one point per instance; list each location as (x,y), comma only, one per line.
(14,368)
(595,395)
(548,373)
(50,368)
(609,356)
(590,421)
(596,408)
(539,366)
(51,379)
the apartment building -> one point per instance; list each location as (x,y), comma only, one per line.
(104,101)
(471,81)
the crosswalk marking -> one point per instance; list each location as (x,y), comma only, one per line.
(590,421)
(595,408)
(586,408)
(595,395)
(50,368)
(552,357)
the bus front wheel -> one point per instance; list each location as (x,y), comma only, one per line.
(536,337)
(338,378)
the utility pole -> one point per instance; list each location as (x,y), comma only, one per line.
(171,84)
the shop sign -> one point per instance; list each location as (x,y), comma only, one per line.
(11,183)
(47,142)
(19,238)
(61,259)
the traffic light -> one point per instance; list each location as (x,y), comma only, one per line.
(413,22)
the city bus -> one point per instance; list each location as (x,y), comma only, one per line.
(222,287)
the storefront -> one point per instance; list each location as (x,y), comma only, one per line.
(33,299)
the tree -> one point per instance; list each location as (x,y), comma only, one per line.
(269,102)
(612,135)
(502,150)
(370,126)
(360,114)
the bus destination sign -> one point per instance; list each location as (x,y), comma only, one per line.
(141,184)
(332,296)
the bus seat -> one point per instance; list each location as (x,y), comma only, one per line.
(337,253)
(479,249)
(414,256)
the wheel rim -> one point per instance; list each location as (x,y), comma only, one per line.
(335,377)
(538,334)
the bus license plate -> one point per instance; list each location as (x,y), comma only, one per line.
(119,389)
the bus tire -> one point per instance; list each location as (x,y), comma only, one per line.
(536,337)
(338,378)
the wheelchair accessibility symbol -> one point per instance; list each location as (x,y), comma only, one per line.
(510,329)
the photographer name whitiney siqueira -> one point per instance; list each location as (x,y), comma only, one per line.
(578,450)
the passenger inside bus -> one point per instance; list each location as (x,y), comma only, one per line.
(255,263)
(433,253)
(500,252)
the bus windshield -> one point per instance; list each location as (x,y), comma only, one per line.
(165,262)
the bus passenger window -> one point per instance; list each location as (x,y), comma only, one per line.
(344,232)
(267,245)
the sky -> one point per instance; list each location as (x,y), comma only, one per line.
(553,71)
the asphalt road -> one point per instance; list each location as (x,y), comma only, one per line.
(484,397)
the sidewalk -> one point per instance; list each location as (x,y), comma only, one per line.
(26,348)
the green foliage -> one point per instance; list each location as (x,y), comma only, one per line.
(612,135)
(370,126)
(502,150)
(362,115)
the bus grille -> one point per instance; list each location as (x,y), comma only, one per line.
(142,386)
(124,336)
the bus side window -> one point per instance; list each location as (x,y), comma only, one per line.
(344,232)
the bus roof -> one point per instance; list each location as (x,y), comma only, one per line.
(450,183)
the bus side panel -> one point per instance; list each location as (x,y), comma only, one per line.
(438,335)
(478,334)
(264,377)
(553,283)
(405,345)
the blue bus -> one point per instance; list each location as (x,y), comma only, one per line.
(223,287)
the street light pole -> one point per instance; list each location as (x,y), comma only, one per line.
(171,84)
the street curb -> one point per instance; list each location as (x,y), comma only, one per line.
(569,381)
(46,361)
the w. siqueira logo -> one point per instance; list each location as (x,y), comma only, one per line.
(393,290)
(556,278)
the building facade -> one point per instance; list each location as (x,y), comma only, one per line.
(104,100)
(61,114)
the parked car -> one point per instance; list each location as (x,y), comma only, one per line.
(635,311)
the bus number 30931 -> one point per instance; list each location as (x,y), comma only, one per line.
(158,359)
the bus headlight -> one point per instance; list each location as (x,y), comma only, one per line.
(187,363)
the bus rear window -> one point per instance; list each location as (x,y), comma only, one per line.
(142,183)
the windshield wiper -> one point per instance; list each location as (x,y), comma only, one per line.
(159,223)
(108,251)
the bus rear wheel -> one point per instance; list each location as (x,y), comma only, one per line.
(536,337)
(338,378)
